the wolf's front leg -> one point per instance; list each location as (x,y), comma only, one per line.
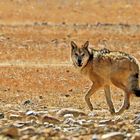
(93,89)
(108,99)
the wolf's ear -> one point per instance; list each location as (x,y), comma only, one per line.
(86,45)
(90,50)
(73,45)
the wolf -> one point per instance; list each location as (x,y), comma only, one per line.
(104,68)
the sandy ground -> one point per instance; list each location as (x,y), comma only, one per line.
(35,63)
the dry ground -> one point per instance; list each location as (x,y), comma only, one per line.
(36,72)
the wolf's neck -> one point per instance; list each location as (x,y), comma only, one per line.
(87,68)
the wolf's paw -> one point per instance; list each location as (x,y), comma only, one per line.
(91,108)
(112,112)
(127,106)
(119,112)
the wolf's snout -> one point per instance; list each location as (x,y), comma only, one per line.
(79,62)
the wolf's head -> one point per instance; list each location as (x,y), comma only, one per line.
(80,55)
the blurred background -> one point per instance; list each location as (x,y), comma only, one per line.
(15,12)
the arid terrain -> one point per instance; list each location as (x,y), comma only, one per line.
(41,93)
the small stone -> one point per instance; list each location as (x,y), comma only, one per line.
(68,116)
(32,118)
(105,122)
(113,136)
(67,71)
(22,123)
(40,97)
(28,113)
(49,132)
(81,122)
(27,102)
(137,119)
(11,132)
(45,23)
(42,112)
(75,112)
(69,121)
(28,131)
(49,125)
(70,90)
(1,115)
(67,95)
(18,124)
(50,119)
(91,114)
(136,136)
(95,137)
(15,117)
(57,128)
(25,137)
(86,123)
(129,135)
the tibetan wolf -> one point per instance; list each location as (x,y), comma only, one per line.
(104,67)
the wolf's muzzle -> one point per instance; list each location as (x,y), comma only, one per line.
(79,62)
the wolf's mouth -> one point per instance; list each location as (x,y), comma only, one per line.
(80,65)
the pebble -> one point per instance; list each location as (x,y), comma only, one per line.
(11,132)
(42,112)
(95,137)
(105,122)
(18,124)
(50,119)
(28,131)
(28,113)
(15,117)
(68,116)
(113,136)
(137,119)
(88,123)
(75,112)
(1,115)
(27,102)
(136,136)
(81,121)
(69,121)
(49,125)
(91,114)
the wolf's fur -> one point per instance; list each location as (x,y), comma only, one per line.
(103,68)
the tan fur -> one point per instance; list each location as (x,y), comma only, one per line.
(103,68)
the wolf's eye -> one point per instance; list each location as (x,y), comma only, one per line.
(76,54)
(82,54)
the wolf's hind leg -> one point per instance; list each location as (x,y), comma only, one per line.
(93,89)
(108,99)
(126,103)
(132,87)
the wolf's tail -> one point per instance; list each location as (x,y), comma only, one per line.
(134,84)
(137,92)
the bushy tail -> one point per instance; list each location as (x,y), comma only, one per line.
(137,92)
(134,80)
